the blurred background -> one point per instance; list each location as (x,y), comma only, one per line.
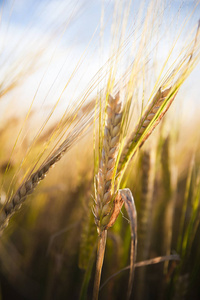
(55,57)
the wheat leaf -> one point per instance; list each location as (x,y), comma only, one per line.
(131,210)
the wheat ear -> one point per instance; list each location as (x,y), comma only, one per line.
(34,179)
(138,137)
(104,205)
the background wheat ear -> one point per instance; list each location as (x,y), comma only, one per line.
(27,187)
(145,127)
(145,215)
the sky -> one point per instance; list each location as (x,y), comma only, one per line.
(68,35)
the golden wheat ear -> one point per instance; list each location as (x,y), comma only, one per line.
(104,206)
(149,120)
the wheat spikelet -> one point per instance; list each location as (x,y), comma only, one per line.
(104,206)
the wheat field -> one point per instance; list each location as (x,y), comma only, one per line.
(99,157)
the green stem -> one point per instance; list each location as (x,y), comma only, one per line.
(99,263)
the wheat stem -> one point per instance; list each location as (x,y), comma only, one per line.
(99,263)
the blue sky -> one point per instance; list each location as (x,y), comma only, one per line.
(63,29)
